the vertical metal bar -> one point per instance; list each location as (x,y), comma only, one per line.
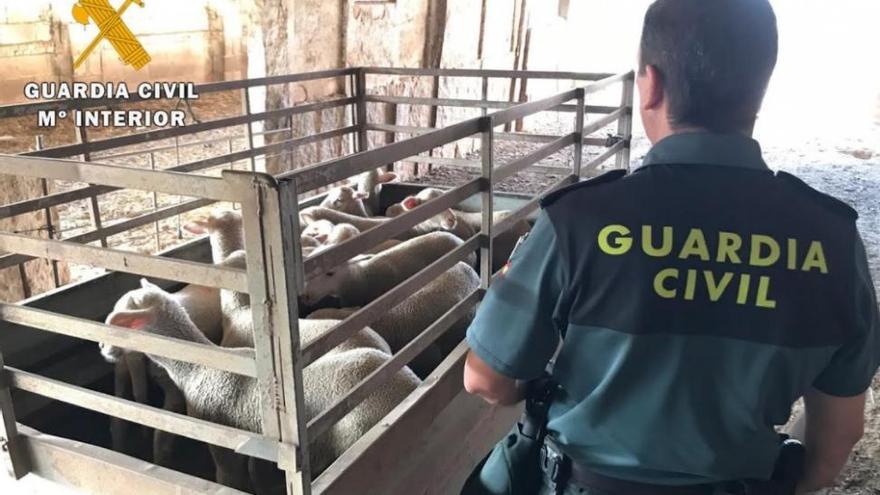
(25,285)
(95,209)
(271,244)
(351,118)
(579,130)
(487,147)
(392,136)
(152,162)
(246,100)
(484,96)
(50,227)
(361,93)
(10,450)
(624,125)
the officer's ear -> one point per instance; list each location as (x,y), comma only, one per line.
(650,84)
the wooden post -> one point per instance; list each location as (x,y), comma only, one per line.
(274,260)
(361,93)
(624,125)
(579,130)
(10,449)
(95,210)
(487,147)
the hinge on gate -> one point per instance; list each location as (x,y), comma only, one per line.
(612,139)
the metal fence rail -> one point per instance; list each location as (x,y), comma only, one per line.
(276,271)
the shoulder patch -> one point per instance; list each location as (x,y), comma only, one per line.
(825,199)
(605,178)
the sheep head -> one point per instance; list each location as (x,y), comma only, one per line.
(153,310)
(319,230)
(346,200)
(217,221)
(332,282)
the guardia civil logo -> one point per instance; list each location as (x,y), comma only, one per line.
(113,29)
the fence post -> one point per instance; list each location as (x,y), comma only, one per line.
(579,131)
(361,94)
(487,150)
(274,262)
(10,450)
(624,125)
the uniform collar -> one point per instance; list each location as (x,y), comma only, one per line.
(733,150)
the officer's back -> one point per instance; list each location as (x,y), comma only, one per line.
(697,297)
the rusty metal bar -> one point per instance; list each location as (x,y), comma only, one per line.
(374,236)
(326,173)
(507,170)
(240,441)
(326,419)
(369,313)
(211,356)
(523,74)
(128,262)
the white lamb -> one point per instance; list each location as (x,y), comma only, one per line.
(202,305)
(346,199)
(224,227)
(238,323)
(232,400)
(445,221)
(402,323)
(361,280)
(370,183)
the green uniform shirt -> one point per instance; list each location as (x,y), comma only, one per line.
(696,298)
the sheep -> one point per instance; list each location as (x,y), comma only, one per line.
(202,305)
(411,317)
(238,326)
(360,280)
(469,223)
(345,231)
(319,230)
(444,221)
(410,202)
(347,200)
(370,183)
(232,400)
(225,230)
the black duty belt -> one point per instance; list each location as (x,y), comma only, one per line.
(562,471)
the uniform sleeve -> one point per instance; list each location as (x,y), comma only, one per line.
(516,329)
(854,365)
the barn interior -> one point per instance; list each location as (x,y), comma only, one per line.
(305,93)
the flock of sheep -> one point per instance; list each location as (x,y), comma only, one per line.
(223,318)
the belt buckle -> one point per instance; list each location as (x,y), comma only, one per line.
(553,463)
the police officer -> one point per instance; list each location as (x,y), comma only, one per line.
(690,303)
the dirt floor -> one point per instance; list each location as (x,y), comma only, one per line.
(848,168)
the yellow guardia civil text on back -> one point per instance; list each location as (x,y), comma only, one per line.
(711,284)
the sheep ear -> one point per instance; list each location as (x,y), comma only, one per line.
(387,177)
(197,227)
(146,284)
(361,195)
(410,202)
(448,220)
(135,319)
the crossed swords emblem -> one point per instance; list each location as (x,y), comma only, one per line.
(113,29)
